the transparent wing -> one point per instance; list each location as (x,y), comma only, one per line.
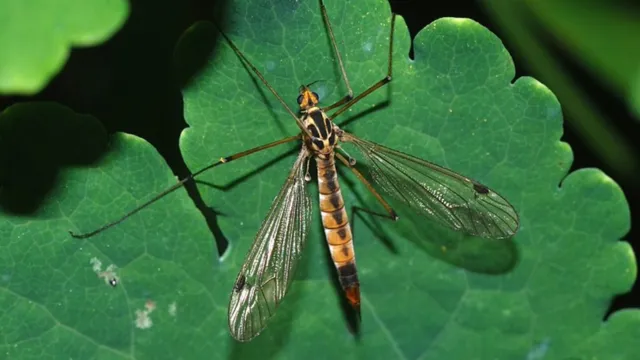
(270,264)
(438,193)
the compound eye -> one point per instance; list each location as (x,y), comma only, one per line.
(300,99)
(316,95)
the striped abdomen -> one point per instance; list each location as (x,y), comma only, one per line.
(337,229)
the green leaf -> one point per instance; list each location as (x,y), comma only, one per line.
(455,105)
(36,37)
(54,302)
(424,294)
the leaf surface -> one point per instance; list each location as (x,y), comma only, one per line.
(456,104)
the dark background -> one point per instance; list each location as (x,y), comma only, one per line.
(128,83)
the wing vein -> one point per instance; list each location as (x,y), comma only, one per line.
(438,193)
(269,267)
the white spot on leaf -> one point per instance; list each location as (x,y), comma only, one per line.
(143,318)
(143,321)
(109,275)
(96,264)
(173,309)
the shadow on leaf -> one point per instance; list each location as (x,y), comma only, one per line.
(37,140)
(251,173)
(487,256)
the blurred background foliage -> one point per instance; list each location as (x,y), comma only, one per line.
(586,52)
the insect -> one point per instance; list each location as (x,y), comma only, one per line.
(437,193)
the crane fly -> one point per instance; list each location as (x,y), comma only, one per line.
(432,191)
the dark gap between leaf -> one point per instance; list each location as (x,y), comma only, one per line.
(37,141)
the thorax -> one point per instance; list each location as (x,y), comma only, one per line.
(323,132)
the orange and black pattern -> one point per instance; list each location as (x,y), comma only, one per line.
(337,229)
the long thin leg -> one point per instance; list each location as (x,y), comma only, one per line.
(377,85)
(181,183)
(338,103)
(375,226)
(355,209)
(349,95)
(390,213)
(264,81)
